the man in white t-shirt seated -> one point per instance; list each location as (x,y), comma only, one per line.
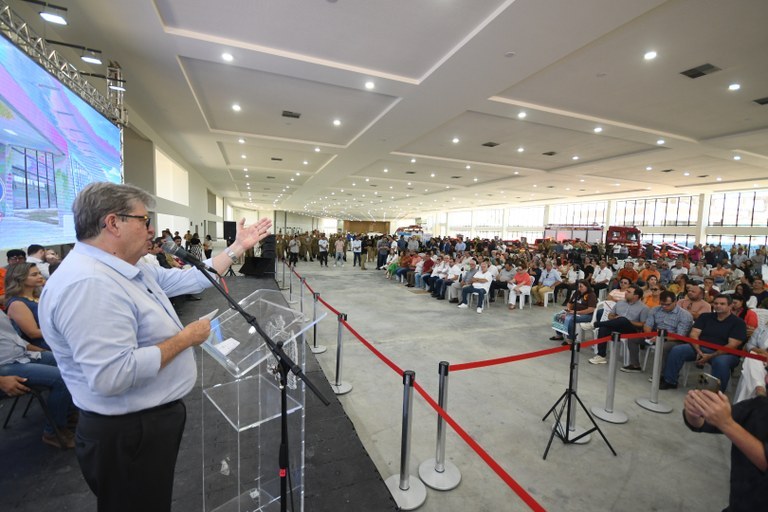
(479,283)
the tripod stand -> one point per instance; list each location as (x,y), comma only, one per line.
(569,433)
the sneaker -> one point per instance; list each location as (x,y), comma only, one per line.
(631,369)
(53,440)
(479,310)
(666,385)
(463,306)
(598,359)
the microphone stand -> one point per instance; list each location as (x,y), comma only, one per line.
(284,365)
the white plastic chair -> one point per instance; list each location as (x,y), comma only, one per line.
(552,294)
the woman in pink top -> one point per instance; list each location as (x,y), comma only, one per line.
(520,283)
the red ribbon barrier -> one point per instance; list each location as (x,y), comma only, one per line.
(330,308)
(715,346)
(373,349)
(495,466)
(520,357)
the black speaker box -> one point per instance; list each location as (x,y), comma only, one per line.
(269,247)
(258,266)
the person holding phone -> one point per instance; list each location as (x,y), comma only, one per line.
(746,425)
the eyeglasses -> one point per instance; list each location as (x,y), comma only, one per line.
(147,220)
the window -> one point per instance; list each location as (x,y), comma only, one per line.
(746,208)
(525,216)
(578,213)
(662,211)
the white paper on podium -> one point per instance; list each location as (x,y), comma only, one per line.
(227,346)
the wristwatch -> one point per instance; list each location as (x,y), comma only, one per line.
(231,255)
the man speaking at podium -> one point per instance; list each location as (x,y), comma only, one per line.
(122,351)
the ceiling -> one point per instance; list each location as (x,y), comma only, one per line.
(441,70)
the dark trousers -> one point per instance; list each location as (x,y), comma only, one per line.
(381,260)
(323,257)
(618,324)
(495,287)
(358,259)
(128,461)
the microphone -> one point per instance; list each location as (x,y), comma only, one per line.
(170,247)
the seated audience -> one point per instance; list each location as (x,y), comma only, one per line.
(720,327)
(23,283)
(628,316)
(694,302)
(22,365)
(500,283)
(479,284)
(745,291)
(668,316)
(740,309)
(549,279)
(580,307)
(36,255)
(519,284)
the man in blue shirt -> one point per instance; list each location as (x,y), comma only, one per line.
(122,351)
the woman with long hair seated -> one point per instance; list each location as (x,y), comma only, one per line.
(580,307)
(23,283)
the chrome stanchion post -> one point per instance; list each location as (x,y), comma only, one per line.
(607,413)
(301,294)
(437,473)
(290,288)
(282,284)
(408,491)
(652,403)
(340,387)
(315,348)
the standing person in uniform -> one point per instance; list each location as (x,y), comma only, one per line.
(122,351)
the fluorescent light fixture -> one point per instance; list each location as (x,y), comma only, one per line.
(650,55)
(597,129)
(227,57)
(236,107)
(91,57)
(369,85)
(734,87)
(51,13)
(522,115)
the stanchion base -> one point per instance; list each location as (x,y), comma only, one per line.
(342,389)
(318,349)
(646,403)
(411,499)
(610,417)
(574,433)
(445,481)
(293,302)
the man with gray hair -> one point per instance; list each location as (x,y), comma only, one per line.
(122,351)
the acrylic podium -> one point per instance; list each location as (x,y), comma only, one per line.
(241,408)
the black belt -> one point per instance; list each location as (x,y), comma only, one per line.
(160,407)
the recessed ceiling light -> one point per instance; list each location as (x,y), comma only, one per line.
(467,166)
(317,150)
(649,168)
(246,176)
(227,57)
(455,140)
(581,180)
(241,140)
(409,183)
(520,149)
(298,174)
(617,184)
(243,156)
(413,160)
(236,107)
(567,188)
(432,175)
(575,157)
(522,115)
(336,122)
(660,142)
(426,190)
(650,55)
(367,180)
(354,184)
(534,186)
(597,129)
(718,179)
(369,85)
(386,170)
(734,87)
(736,157)
(474,179)
(686,173)
(245,169)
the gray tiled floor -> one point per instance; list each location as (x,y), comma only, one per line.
(660,464)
